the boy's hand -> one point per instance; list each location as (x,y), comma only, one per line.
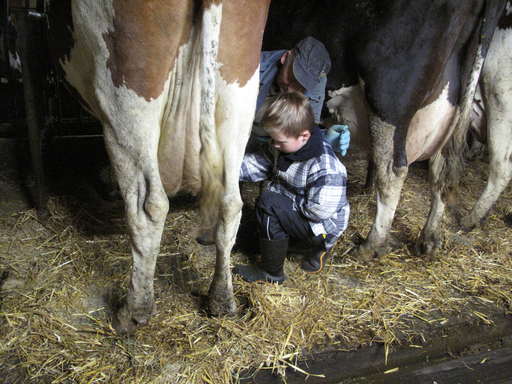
(338,136)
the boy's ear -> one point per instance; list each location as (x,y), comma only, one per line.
(306,135)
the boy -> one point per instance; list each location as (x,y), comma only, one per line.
(303,69)
(305,200)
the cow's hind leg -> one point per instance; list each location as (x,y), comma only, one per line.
(221,300)
(500,173)
(496,84)
(238,103)
(431,236)
(133,155)
(389,180)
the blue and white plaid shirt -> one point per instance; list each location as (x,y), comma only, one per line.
(313,178)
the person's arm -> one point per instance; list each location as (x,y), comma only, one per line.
(326,194)
(316,99)
(255,167)
(338,136)
(323,200)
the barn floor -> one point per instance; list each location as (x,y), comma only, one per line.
(444,319)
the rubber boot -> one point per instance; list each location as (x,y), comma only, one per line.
(297,252)
(316,260)
(270,269)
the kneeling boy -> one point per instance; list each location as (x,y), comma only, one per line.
(305,201)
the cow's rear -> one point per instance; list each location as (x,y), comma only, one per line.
(174,90)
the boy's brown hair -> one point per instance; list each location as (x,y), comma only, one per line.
(290,113)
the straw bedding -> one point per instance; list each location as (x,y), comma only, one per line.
(61,282)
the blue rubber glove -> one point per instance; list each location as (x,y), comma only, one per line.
(338,136)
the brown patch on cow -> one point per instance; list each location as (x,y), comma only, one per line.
(241,33)
(145,42)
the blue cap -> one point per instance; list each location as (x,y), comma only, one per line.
(312,62)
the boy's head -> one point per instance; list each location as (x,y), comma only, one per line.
(289,120)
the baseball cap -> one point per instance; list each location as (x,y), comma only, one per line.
(312,62)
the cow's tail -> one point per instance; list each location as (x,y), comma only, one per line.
(454,153)
(212,164)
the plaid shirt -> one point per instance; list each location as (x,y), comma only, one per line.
(313,178)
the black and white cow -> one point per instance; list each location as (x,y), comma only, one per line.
(496,86)
(403,77)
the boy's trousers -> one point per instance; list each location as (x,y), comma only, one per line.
(278,220)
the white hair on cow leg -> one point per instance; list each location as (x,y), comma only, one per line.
(211,158)
(497,87)
(234,115)
(389,181)
(131,131)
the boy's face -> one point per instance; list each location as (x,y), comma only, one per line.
(288,144)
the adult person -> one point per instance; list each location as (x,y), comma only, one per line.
(303,69)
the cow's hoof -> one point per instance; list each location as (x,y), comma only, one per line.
(216,307)
(424,248)
(205,237)
(467,223)
(364,255)
(127,321)
(366,252)
(124,325)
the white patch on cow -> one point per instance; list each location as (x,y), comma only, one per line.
(119,106)
(508,8)
(137,121)
(211,31)
(430,128)
(178,152)
(90,20)
(234,116)
(497,87)
(15,62)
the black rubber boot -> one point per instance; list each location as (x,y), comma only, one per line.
(298,252)
(270,269)
(316,260)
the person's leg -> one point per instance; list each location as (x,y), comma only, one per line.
(272,209)
(277,219)
(278,222)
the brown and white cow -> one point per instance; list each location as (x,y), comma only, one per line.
(407,70)
(174,83)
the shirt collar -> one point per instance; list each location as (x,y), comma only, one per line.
(313,148)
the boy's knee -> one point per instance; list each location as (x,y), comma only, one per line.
(266,200)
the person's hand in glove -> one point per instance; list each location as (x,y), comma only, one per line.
(338,136)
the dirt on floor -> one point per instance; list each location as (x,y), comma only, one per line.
(63,277)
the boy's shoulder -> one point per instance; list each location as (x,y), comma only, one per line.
(330,160)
